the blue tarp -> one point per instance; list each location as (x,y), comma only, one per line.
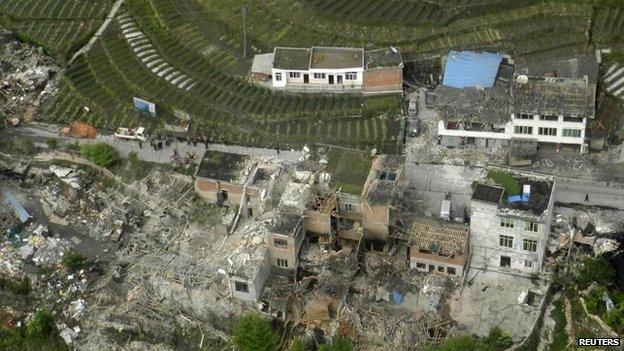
(397,298)
(514,199)
(18,209)
(466,69)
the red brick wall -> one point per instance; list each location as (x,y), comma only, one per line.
(381,79)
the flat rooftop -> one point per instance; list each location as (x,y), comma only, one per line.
(336,58)
(223,166)
(488,193)
(292,58)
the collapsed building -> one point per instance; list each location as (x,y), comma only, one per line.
(509,232)
(487,100)
(236,180)
(439,246)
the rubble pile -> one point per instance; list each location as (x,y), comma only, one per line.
(24,73)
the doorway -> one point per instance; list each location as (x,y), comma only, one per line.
(505,261)
(338,79)
(306,78)
(331,79)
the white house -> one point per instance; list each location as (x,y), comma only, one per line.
(332,69)
(548,107)
(509,233)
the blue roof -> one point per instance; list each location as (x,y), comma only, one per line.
(18,209)
(465,69)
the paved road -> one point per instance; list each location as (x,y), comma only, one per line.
(40,133)
(573,191)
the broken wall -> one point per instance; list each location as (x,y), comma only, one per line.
(383,79)
(375,220)
(317,222)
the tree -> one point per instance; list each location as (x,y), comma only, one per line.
(254,333)
(101,154)
(597,270)
(339,344)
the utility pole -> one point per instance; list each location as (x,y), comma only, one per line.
(244,9)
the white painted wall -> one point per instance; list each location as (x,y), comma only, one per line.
(335,72)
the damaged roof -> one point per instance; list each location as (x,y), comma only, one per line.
(382,58)
(540,192)
(488,193)
(573,67)
(285,223)
(554,96)
(348,169)
(486,106)
(439,236)
(222,166)
(384,179)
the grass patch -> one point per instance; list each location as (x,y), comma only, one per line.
(40,334)
(506,180)
(17,287)
(101,154)
(74,261)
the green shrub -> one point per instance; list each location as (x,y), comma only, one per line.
(74,261)
(506,180)
(24,147)
(21,287)
(615,318)
(101,154)
(41,326)
(460,343)
(497,339)
(593,301)
(52,144)
(298,345)
(253,333)
(339,344)
(597,270)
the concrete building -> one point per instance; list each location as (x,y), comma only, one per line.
(508,232)
(331,69)
(285,236)
(236,180)
(440,247)
(249,270)
(486,100)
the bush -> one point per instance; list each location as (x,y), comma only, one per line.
(460,343)
(339,344)
(74,261)
(253,333)
(593,301)
(39,335)
(42,326)
(615,318)
(101,154)
(298,345)
(21,287)
(597,270)
(23,146)
(52,144)
(497,339)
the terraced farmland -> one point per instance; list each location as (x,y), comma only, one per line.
(186,56)
(57,26)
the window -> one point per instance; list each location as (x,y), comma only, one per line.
(505,261)
(549,118)
(528,263)
(529,245)
(573,119)
(387,176)
(572,133)
(349,207)
(319,75)
(242,287)
(451,270)
(531,226)
(507,222)
(351,76)
(278,77)
(280,243)
(506,241)
(523,130)
(282,263)
(294,74)
(421,265)
(524,116)
(441,269)
(547,131)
